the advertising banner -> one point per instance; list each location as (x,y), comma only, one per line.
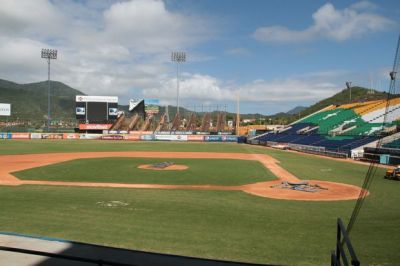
(52,135)
(151,101)
(195,138)
(112,137)
(94,126)
(174,132)
(5,109)
(105,132)
(181,132)
(97,99)
(90,136)
(171,137)
(147,137)
(132,137)
(202,133)
(215,138)
(5,135)
(36,135)
(231,138)
(151,106)
(225,133)
(138,133)
(163,132)
(21,136)
(70,136)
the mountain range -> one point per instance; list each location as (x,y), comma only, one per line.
(29,102)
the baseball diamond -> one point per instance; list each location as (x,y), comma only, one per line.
(150,216)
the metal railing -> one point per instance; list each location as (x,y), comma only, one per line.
(339,257)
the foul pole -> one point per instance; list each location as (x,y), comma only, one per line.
(237,115)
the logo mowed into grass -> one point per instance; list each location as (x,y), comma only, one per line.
(163,166)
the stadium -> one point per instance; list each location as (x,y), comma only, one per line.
(94,179)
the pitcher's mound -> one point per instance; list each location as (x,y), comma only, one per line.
(163,166)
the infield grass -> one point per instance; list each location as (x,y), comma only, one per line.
(125,170)
(228,225)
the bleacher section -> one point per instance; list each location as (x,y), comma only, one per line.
(340,144)
(340,128)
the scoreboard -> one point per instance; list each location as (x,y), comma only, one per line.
(95,109)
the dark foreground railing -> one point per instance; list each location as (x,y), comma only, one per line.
(339,257)
(98,262)
(89,254)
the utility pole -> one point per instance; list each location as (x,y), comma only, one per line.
(348,85)
(237,115)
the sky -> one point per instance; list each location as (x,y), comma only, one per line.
(274,55)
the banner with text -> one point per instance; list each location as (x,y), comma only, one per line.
(94,126)
(5,109)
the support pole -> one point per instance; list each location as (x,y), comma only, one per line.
(237,115)
(177,87)
(48,96)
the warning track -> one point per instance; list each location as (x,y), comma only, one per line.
(335,191)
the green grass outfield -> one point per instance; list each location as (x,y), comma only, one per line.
(49,146)
(229,225)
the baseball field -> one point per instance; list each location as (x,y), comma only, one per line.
(219,205)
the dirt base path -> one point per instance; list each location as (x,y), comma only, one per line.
(335,191)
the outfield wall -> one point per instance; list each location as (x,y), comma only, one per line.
(134,136)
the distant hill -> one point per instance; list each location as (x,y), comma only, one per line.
(296,110)
(29,101)
(358,94)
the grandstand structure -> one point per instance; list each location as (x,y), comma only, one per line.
(340,130)
(208,122)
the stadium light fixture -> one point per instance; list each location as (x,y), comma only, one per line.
(178,57)
(48,54)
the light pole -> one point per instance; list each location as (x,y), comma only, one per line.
(48,54)
(178,57)
(348,85)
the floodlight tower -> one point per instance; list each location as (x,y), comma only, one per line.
(178,57)
(48,54)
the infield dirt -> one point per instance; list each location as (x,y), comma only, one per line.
(334,191)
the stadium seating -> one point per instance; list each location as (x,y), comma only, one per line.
(341,128)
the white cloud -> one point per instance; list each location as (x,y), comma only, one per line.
(36,18)
(148,26)
(104,47)
(364,5)
(330,23)
(123,49)
(205,88)
(20,58)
